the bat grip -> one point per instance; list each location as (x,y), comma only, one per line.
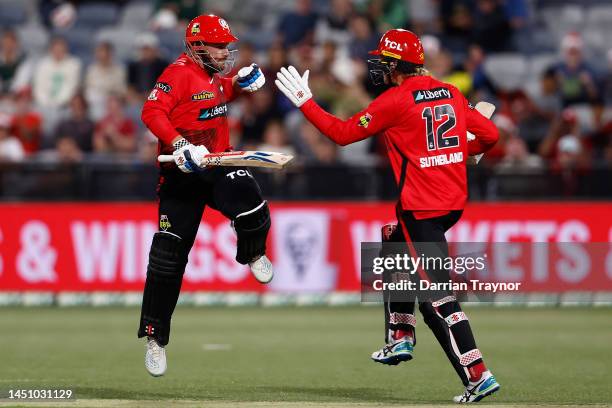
(165,158)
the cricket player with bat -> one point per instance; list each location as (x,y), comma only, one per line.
(425,123)
(187,111)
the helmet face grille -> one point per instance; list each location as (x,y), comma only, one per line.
(378,69)
(195,50)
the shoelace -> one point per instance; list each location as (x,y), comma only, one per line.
(470,391)
(156,349)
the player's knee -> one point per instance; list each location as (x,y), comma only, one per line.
(168,257)
(252,230)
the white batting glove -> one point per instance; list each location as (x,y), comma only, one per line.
(251,78)
(188,157)
(294,86)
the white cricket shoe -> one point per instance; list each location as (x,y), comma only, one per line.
(475,391)
(261,268)
(395,352)
(155,358)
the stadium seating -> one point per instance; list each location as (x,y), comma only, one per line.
(96,15)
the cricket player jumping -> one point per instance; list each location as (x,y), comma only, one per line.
(424,123)
(187,111)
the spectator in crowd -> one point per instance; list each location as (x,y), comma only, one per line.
(511,150)
(148,147)
(517,157)
(534,112)
(444,68)
(103,78)
(11,149)
(312,146)
(575,76)
(388,14)
(259,109)
(491,26)
(297,26)
(144,71)
(275,139)
(457,23)
(67,150)
(364,37)
(482,87)
(115,133)
(57,76)
(564,145)
(27,123)
(334,26)
(15,69)
(184,10)
(77,126)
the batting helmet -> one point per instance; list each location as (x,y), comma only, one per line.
(402,45)
(209,29)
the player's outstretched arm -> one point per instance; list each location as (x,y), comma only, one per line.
(366,123)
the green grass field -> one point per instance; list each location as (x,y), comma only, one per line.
(300,357)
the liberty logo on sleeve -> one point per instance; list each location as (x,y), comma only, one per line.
(428,95)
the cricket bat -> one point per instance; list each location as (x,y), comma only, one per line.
(486,109)
(271,160)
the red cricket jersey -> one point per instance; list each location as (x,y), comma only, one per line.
(424,123)
(189,102)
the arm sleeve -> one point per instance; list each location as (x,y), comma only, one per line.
(372,120)
(485,131)
(156,110)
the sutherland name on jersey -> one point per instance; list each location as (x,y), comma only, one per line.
(441,159)
(473,285)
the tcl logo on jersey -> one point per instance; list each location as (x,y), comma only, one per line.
(393,45)
(214,112)
(203,96)
(427,95)
(163,86)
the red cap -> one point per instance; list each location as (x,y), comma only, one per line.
(402,45)
(209,29)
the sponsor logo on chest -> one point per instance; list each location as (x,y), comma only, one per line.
(203,96)
(214,112)
(428,95)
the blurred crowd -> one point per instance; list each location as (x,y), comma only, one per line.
(67,105)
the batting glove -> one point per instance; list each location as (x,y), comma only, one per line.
(251,78)
(294,86)
(187,156)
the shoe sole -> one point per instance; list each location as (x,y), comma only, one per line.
(263,281)
(486,394)
(394,360)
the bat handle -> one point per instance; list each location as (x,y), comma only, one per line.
(165,158)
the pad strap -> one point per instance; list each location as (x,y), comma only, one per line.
(455,318)
(444,300)
(468,358)
(402,318)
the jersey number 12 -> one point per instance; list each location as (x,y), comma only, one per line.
(440,140)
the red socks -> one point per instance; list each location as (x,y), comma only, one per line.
(398,334)
(476,371)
